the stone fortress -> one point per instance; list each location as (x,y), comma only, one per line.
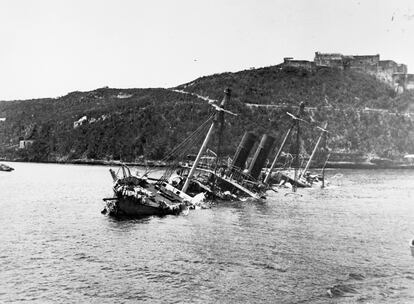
(388,71)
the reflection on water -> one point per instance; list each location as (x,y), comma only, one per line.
(347,243)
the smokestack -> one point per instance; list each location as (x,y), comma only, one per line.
(243,150)
(261,155)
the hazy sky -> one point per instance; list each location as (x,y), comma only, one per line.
(51,47)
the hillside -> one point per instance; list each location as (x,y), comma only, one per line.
(121,124)
(277,85)
(132,124)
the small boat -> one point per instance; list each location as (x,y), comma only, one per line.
(6,168)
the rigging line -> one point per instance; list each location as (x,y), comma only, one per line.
(183,144)
(197,132)
(177,150)
(176,164)
(326,149)
(188,144)
(194,142)
(185,149)
(220,119)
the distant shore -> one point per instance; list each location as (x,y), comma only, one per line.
(158,163)
(367,165)
(98,162)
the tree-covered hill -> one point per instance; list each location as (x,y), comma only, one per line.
(120,124)
(363,115)
(278,85)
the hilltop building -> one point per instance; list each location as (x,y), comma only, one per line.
(388,71)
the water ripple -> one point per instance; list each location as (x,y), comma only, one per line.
(347,244)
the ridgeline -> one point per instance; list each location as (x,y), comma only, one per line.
(364,115)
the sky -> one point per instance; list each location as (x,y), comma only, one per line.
(51,47)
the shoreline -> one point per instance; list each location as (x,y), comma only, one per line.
(160,164)
(94,162)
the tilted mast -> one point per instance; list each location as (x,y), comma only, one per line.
(301,108)
(220,113)
(297,164)
(323,132)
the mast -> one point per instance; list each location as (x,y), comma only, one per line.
(323,131)
(206,140)
(278,154)
(220,121)
(323,171)
(326,161)
(297,155)
(301,109)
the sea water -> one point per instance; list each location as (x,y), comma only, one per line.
(347,243)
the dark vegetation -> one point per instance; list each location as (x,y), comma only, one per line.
(134,124)
(274,85)
(148,123)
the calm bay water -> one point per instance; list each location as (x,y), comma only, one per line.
(56,246)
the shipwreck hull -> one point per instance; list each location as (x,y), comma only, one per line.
(132,207)
(134,200)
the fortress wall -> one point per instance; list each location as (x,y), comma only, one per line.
(409,82)
(391,67)
(402,68)
(304,64)
(399,81)
(385,76)
(334,60)
(364,60)
(387,71)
